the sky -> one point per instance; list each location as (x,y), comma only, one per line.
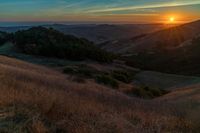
(110,11)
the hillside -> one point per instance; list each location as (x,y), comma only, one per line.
(164,39)
(38,99)
(183,60)
(170,38)
(165,81)
(94,93)
(41,41)
(174,50)
(107,32)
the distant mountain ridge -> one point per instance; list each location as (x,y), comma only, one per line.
(97,33)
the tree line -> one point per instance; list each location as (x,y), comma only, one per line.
(52,43)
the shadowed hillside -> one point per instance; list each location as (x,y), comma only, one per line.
(169,38)
(174,50)
(46,42)
(183,60)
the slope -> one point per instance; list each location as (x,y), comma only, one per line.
(37,99)
(164,39)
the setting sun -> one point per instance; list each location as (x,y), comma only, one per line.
(171,19)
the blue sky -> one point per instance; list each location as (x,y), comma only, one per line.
(133,11)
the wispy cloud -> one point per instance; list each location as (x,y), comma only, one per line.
(144,10)
(172,4)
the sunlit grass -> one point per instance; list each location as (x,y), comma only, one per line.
(43,100)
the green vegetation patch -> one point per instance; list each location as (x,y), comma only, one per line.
(51,43)
(83,71)
(147,92)
(107,80)
(123,75)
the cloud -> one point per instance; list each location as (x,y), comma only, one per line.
(173,4)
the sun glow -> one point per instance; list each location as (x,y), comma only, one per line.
(171,19)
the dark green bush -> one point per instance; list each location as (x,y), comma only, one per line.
(70,70)
(123,75)
(146,92)
(107,80)
(83,71)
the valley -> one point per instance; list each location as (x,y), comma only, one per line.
(53,82)
(99,66)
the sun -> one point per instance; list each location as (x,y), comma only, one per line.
(171,19)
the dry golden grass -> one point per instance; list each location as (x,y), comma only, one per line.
(41,100)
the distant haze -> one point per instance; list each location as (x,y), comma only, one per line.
(14,24)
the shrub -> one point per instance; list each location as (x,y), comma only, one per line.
(123,75)
(146,92)
(81,70)
(107,80)
(69,70)
(87,71)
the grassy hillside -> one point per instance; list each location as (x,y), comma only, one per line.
(183,60)
(38,99)
(165,81)
(168,38)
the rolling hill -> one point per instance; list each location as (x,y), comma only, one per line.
(183,60)
(91,96)
(107,32)
(49,42)
(39,99)
(165,81)
(174,50)
(169,38)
